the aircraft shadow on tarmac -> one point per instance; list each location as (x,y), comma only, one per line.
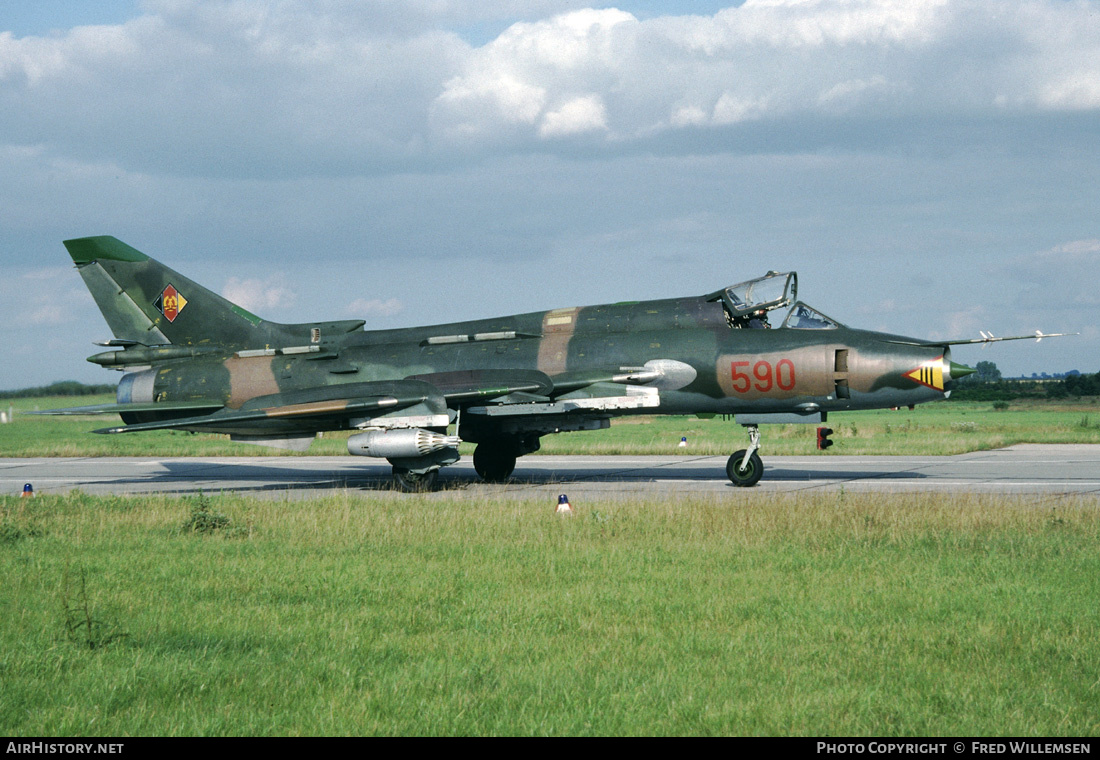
(788,474)
(194,477)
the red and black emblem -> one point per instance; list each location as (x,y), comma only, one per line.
(170,303)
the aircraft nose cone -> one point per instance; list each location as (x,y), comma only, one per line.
(960,370)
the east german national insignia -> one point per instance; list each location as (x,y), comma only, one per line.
(170,303)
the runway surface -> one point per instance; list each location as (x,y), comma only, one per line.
(1023,469)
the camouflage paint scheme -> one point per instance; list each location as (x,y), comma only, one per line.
(195,361)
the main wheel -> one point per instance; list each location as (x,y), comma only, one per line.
(412,482)
(747,476)
(494,463)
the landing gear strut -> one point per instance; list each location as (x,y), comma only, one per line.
(744,467)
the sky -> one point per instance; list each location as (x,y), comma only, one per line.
(929,167)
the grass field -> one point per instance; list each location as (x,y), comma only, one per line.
(940,428)
(442,614)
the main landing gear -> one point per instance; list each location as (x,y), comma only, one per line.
(744,467)
(421,473)
(494,461)
(495,456)
(411,481)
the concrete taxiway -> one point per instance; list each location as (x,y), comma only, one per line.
(1022,469)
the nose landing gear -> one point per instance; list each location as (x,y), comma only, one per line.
(744,468)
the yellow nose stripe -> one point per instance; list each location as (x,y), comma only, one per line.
(929,374)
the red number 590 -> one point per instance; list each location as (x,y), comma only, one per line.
(764,375)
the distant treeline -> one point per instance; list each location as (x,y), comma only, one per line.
(1071,386)
(62,388)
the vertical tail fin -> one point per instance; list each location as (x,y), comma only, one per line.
(148,303)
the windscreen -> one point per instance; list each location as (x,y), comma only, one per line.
(803,317)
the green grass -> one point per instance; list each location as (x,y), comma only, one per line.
(940,428)
(448,613)
(932,429)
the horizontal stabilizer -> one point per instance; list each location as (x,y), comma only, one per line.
(180,406)
(333,402)
(227,419)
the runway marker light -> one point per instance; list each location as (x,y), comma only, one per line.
(28,490)
(823,441)
(564,507)
(683,442)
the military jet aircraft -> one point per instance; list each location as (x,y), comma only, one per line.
(194,361)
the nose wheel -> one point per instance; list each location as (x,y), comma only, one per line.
(744,468)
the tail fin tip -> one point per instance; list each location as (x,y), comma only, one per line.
(88,249)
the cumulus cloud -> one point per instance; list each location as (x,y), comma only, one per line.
(606,71)
(227,89)
(43,298)
(374,307)
(1075,251)
(1065,275)
(50,275)
(301,88)
(583,114)
(56,307)
(431,141)
(964,323)
(1079,256)
(259,295)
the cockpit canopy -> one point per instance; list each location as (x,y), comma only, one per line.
(747,303)
(774,290)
